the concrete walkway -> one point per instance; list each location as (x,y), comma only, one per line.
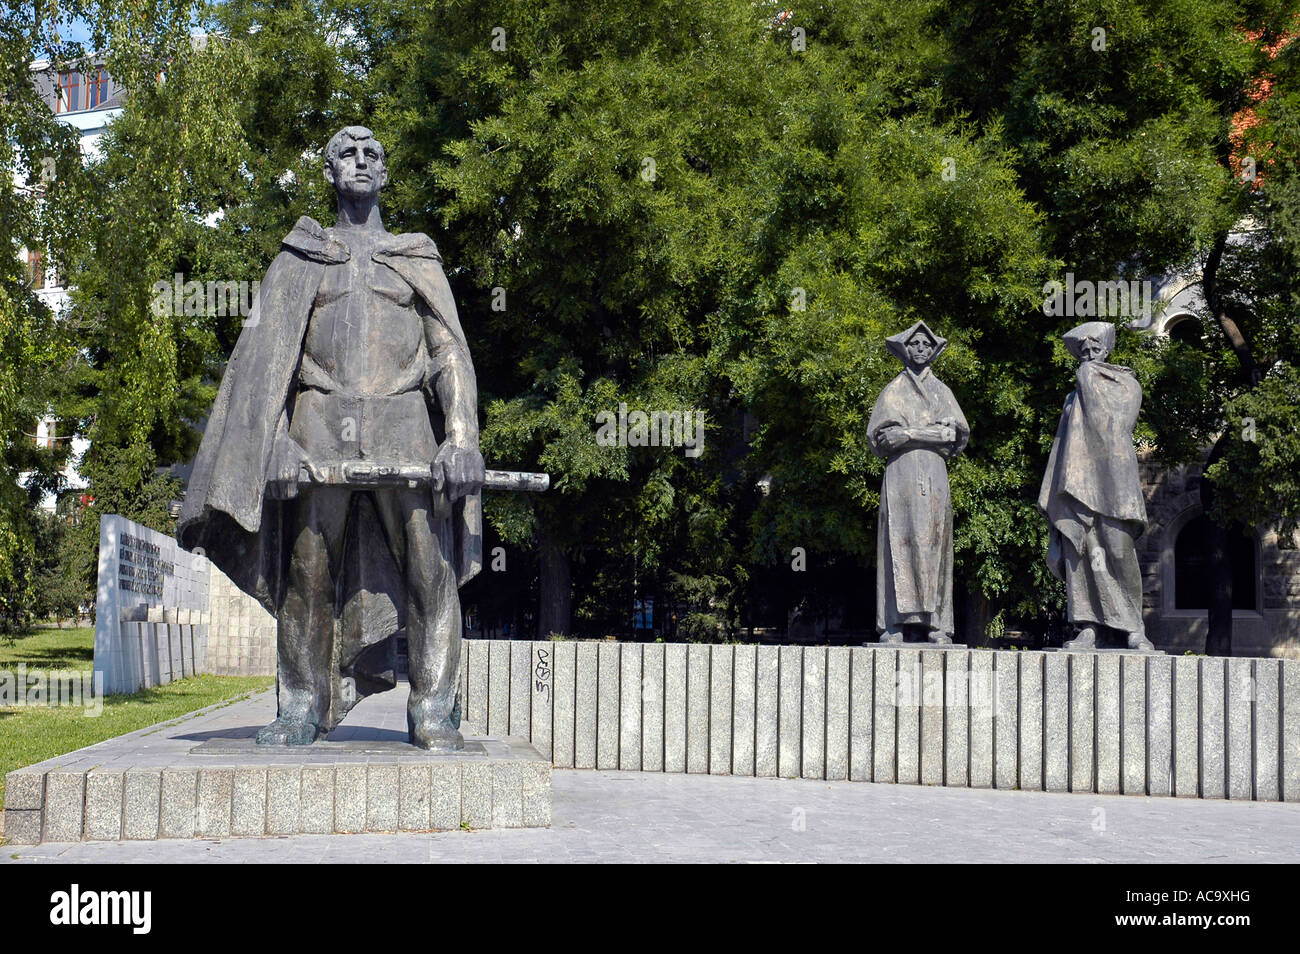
(648,817)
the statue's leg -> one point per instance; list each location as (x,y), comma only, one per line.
(305,623)
(433,622)
(1128,574)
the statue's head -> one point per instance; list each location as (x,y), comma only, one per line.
(354,163)
(1092,341)
(917,346)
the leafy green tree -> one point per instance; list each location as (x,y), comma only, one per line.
(41,207)
(1120,119)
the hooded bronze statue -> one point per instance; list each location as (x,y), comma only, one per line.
(1092,495)
(353,355)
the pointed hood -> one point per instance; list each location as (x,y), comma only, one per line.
(897,344)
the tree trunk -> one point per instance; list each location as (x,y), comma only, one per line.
(556,611)
(1218,637)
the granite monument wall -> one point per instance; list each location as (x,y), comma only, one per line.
(1101,722)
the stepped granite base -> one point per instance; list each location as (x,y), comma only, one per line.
(203,777)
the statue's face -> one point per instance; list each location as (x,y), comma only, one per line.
(1091,350)
(920,348)
(357,171)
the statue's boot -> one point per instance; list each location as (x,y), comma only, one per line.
(438,736)
(1138,640)
(941,639)
(288,732)
(891,637)
(1086,639)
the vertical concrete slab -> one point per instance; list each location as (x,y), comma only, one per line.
(956,727)
(1031,721)
(584,716)
(1056,722)
(862,668)
(608,692)
(317,809)
(381,797)
(521,688)
(508,794)
(143,795)
(982,693)
(1268,712)
(65,801)
(1006,728)
(1133,734)
(837,712)
(179,801)
(564,706)
(1083,721)
(444,795)
(283,799)
(908,713)
(476,792)
(884,733)
(721,664)
(541,719)
(476,677)
(629,708)
(767,711)
(1290,730)
(675,659)
(1240,742)
(105,791)
(743,686)
(1108,723)
(813,717)
(498,707)
(212,819)
(790,729)
(697,708)
(652,708)
(1214,780)
(349,798)
(932,715)
(536,780)
(1187,726)
(1160,725)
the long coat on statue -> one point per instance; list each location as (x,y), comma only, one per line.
(1092,497)
(914,538)
(227,511)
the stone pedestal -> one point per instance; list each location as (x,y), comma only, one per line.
(204,777)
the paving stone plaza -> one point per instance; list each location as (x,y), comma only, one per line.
(641,817)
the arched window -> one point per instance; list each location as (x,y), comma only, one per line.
(1186,330)
(1192,566)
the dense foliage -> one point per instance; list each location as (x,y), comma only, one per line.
(720,206)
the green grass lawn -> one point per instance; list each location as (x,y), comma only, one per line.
(34,734)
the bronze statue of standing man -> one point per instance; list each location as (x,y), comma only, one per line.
(1092,496)
(353,369)
(917,426)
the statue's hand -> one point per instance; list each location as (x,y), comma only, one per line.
(288,463)
(461,468)
(892,438)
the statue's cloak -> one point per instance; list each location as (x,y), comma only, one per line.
(226,510)
(914,538)
(1093,469)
